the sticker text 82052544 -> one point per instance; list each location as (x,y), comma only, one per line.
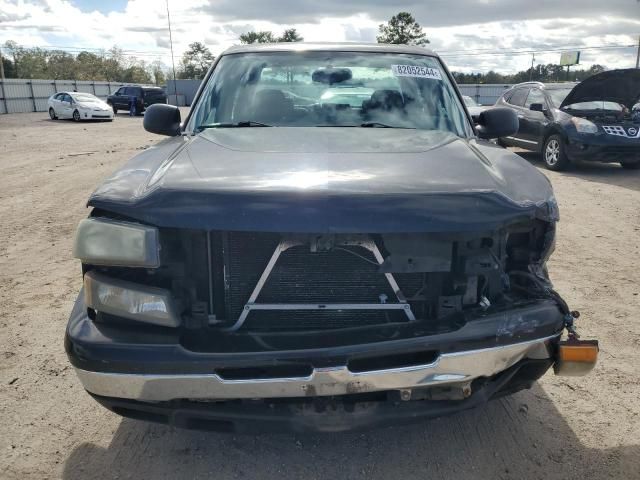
(416,71)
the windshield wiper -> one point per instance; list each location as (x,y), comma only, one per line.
(381,125)
(244,124)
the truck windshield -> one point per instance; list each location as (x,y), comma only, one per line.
(330,89)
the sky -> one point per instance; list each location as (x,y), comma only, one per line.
(471,35)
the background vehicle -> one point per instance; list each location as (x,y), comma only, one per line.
(145,96)
(78,106)
(377,256)
(473,107)
(591,121)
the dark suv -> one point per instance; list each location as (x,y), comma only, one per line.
(597,120)
(145,97)
(325,250)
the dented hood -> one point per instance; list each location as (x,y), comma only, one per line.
(619,86)
(327,180)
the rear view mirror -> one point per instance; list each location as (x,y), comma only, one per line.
(497,122)
(331,75)
(162,119)
(536,107)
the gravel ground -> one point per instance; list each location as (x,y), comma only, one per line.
(563,428)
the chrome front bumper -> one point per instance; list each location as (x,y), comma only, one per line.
(448,369)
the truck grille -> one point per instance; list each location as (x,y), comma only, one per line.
(343,275)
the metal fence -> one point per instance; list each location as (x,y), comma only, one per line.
(483,94)
(22,95)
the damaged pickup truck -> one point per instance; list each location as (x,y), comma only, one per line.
(292,259)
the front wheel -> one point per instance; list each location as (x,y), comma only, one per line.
(76,115)
(52,114)
(113,107)
(553,154)
(631,166)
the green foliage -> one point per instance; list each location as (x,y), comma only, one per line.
(540,73)
(195,61)
(402,29)
(289,35)
(113,65)
(257,37)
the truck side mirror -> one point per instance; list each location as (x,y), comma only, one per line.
(162,119)
(497,122)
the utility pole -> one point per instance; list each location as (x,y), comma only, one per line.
(173,63)
(533,59)
(638,54)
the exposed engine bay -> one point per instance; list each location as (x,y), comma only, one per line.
(262,283)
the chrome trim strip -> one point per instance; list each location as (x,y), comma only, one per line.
(521,140)
(449,368)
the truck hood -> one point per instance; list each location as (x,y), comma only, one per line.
(619,86)
(327,180)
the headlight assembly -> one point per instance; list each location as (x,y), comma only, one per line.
(110,242)
(129,300)
(584,126)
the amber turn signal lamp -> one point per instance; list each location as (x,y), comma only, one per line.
(576,357)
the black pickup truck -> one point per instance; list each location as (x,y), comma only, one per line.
(297,257)
(145,97)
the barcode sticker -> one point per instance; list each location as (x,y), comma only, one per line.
(415,71)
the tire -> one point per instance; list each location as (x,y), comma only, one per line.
(52,114)
(553,154)
(113,107)
(631,166)
(76,116)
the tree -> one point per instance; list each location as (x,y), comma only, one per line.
(195,61)
(61,65)
(257,37)
(402,29)
(13,50)
(290,35)
(158,72)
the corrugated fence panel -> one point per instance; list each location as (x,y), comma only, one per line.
(22,95)
(485,94)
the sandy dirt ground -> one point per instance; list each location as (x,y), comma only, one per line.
(563,428)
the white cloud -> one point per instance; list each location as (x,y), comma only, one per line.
(141,28)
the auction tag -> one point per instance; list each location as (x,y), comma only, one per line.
(415,71)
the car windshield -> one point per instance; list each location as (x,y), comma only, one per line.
(330,89)
(558,95)
(469,102)
(84,97)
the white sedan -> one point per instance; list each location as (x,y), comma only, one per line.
(79,106)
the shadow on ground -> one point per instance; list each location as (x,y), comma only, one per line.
(520,437)
(607,173)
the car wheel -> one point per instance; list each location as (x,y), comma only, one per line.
(76,115)
(52,114)
(631,166)
(115,110)
(553,154)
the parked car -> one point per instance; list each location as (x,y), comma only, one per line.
(474,108)
(358,265)
(78,106)
(592,121)
(145,96)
